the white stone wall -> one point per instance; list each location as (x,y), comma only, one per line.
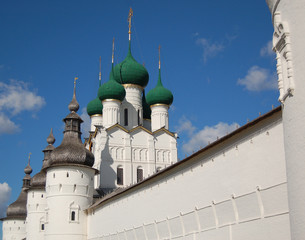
(69,189)
(236,190)
(36,205)
(14,229)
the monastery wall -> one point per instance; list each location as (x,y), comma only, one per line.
(234,190)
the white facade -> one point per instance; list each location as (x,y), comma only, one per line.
(127,145)
(36,207)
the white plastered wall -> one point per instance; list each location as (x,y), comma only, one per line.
(68,188)
(235,191)
(36,205)
(14,229)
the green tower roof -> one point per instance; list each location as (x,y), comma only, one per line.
(159,94)
(111,90)
(129,71)
(95,107)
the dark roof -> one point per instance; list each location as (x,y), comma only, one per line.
(39,180)
(17,210)
(72,151)
(117,193)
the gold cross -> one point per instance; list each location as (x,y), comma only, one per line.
(75,80)
(129,19)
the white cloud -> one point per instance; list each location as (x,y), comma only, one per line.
(86,125)
(6,125)
(209,49)
(5,193)
(15,97)
(258,79)
(267,50)
(185,125)
(198,138)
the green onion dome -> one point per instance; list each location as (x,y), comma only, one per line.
(146,108)
(129,71)
(159,94)
(95,107)
(111,90)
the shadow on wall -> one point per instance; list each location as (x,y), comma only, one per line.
(108,175)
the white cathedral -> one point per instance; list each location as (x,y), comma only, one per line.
(125,183)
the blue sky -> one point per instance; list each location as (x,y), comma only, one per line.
(216,58)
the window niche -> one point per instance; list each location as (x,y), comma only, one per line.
(74,213)
(120,176)
(125,117)
(139,174)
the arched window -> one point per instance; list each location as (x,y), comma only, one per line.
(125,117)
(139,174)
(73,216)
(120,176)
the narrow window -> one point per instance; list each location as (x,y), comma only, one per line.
(53,175)
(139,174)
(73,216)
(120,176)
(138,117)
(82,175)
(41,195)
(125,117)
(67,174)
(74,188)
(42,227)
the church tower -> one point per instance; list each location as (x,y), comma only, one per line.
(159,99)
(288,43)
(14,224)
(69,182)
(134,77)
(36,201)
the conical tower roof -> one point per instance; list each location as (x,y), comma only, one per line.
(17,210)
(72,151)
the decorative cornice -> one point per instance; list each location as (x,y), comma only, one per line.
(111,100)
(159,104)
(96,115)
(282,47)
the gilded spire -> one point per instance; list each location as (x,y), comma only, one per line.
(74,106)
(112,57)
(159,48)
(129,21)
(100,72)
